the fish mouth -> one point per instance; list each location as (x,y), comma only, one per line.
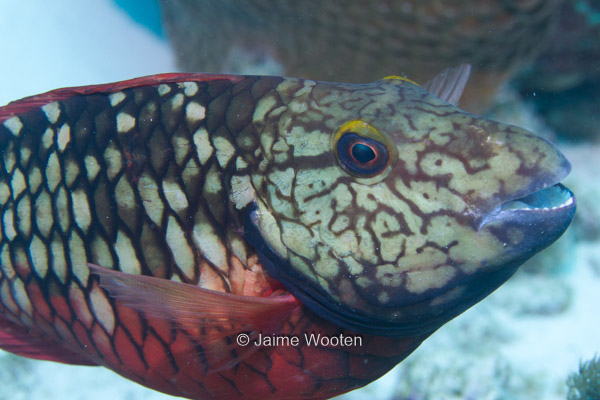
(555,201)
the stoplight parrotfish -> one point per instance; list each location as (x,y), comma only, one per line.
(191,231)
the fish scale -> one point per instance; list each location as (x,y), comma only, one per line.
(109,174)
(147,224)
(126,181)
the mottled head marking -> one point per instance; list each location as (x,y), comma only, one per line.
(431,226)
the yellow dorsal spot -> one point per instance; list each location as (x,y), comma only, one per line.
(401,78)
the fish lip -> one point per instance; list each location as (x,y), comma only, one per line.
(546,185)
(542,202)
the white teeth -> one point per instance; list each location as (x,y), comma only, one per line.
(534,204)
(565,204)
(539,200)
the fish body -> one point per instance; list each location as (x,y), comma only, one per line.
(358,41)
(182,229)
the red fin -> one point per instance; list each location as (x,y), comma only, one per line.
(206,315)
(20,106)
(18,340)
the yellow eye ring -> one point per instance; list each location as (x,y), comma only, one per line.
(362,150)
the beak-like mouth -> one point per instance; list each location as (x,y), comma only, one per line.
(550,199)
(550,202)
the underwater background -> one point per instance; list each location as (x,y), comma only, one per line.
(520,343)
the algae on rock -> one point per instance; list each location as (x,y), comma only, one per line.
(585,385)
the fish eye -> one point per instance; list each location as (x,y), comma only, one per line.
(361,155)
(361,149)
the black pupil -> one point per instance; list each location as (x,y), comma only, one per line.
(362,153)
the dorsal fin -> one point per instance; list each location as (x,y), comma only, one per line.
(23,105)
(450,83)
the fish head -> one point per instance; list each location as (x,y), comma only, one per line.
(389,211)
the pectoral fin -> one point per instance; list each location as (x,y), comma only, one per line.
(207,316)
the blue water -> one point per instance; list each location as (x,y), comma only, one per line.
(145,12)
